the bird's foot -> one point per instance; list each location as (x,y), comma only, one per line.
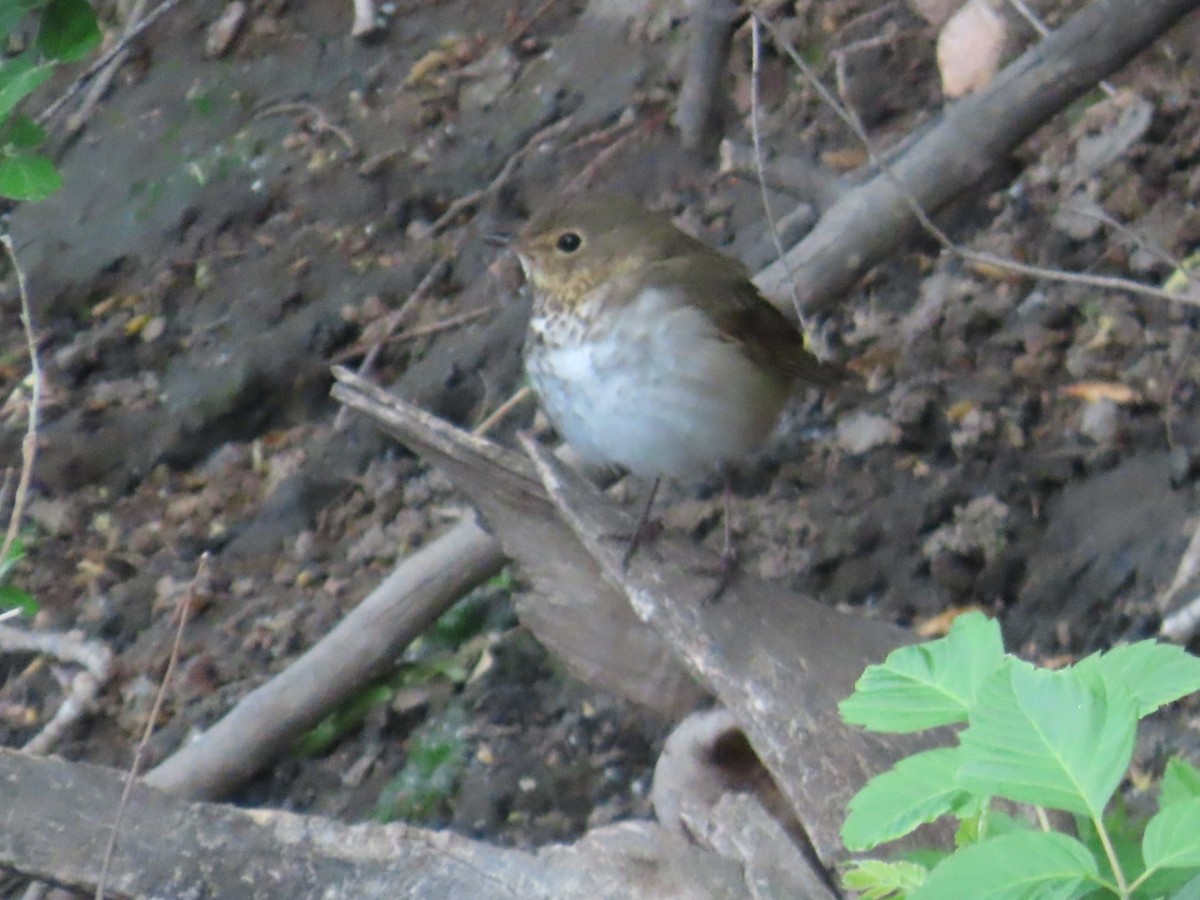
(724,570)
(647,532)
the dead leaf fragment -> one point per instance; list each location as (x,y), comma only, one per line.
(939,625)
(969,48)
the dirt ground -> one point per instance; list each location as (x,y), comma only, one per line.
(232,226)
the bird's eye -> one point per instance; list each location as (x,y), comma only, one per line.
(568,242)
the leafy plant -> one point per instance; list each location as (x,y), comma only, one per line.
(1050,740)
(437,758)
(66,31)
(12,597)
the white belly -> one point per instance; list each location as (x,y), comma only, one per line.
(660,394)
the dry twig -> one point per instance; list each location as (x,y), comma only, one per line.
(182,610)
(320,121)
(118,49)
(29,443)
(474,198)
(96,661)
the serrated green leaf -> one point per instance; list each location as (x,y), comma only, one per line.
(1153,673)
(1181,781)
(24,133)
(1191,891)
(929,684)
(916,790)
(1058,739)
(875,879)
(18,78)
(28,177)
(1172,839)
(15,598)
(68,30)
(1029,864)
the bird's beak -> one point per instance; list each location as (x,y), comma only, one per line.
(500,239)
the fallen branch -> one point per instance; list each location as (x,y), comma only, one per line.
(171,848)
(872,221)
(362,648)
(711,27)
(779,662)
(573,611)
(94,658)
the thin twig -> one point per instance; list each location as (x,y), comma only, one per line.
(760,164)
(585,176)
(441,325)
(96,660)
(29,443)
(520,396)
(1155,249)
(105,76)
(320,121)
(117,49)
(1104,282)
(172,661)
(1039,26)
(473,199)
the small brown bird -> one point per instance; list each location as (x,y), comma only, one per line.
(647,348)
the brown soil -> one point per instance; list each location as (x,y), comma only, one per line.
(1028,448)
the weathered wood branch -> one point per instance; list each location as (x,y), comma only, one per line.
(869,223)
(53,826)
(778,661)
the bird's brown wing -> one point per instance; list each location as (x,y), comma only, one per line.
(721,288)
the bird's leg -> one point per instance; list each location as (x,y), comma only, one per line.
(640,532)
(728,564)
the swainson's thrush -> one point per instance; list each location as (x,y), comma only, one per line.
(649,349)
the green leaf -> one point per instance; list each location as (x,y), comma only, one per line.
(18,78)
(1172,838)
(68,30)
(28,177)
(16,553)
(1154,674)
(437,758)
(15,598)
(12,12)
(875,879)
(24,133)
(1057,739)
(1029,864)
(930,684)
(916,790)
(1181,781)
(991,823)
(1188,891)
(343,721)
